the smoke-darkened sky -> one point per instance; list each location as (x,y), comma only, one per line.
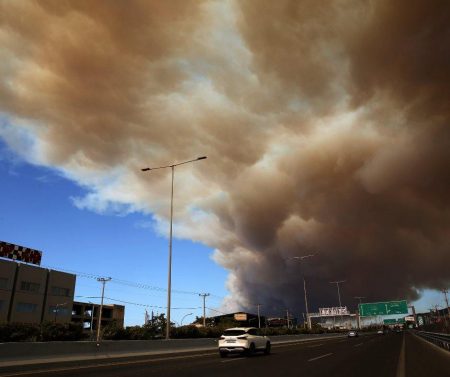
(325,123)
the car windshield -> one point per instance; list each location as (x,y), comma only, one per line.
(233,332)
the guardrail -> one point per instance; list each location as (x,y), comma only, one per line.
(441,340)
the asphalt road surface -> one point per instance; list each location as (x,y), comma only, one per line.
(396,355)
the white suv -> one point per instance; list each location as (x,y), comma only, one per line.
(243,340)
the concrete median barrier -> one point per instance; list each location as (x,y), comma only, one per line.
(45,352)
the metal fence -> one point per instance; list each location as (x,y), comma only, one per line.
(441,340)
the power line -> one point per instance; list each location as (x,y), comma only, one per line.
(127,282)
(138,304)
(218,311)
(150,287)
(150,306)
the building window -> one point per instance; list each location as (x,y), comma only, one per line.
(3,283)
(29,286)
(24,307)
(60,291)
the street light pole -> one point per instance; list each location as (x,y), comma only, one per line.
(181,323)
(259,317)
(169,272)
(169,278)
(339,295)
(57,309)
(308,319)
(359,298)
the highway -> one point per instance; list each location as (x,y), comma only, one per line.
(396,355)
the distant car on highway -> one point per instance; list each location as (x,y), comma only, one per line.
(244,340)
(352,334)
(380,332)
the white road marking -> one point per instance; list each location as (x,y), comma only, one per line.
(320,357)
(317,345)
(401,360)
(235,359)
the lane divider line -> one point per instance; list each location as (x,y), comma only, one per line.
(320,357)
(236,359)
(401,360)
(316,345)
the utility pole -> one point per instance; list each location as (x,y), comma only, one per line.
(287,318)
(445,291)
(204,295)
(92,322)
(259,317)
(436,310)
(103,281)
(413,309)
(359,316)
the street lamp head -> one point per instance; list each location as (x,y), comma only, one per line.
(202,158)
(145,169)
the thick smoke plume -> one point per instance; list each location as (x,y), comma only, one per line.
(325,124)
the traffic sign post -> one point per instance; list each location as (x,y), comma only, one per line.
(383,308)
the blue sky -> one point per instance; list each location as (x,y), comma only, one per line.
(37,211)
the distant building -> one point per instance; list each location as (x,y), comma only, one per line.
(87,313)
(238,318)
(31,294)
(433,317)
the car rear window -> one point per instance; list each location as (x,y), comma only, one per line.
(233,332)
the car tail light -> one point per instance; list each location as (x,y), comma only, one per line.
(242,337)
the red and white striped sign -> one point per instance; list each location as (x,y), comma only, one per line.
(20,253)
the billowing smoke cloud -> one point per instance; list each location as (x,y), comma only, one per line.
(325,125)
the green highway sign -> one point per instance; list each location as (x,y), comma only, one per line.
(383,308)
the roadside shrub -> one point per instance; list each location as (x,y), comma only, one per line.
(61,331)
(19,332)
(113,332)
